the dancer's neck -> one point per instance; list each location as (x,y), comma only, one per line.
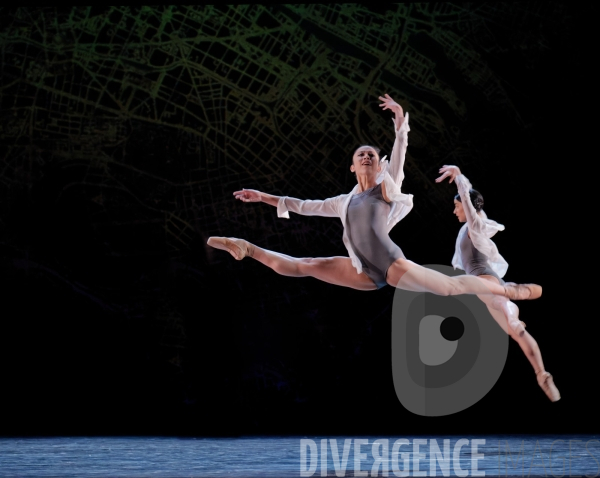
(365,182)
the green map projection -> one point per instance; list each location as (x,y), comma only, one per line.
(150,117)
(279,95)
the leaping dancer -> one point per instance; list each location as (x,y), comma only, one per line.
(368,213)
(477,255)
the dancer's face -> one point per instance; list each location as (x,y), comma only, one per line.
(365,161)
(459,212)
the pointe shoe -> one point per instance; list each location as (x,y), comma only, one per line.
(238,248)
(522,291)
(518,326)
(547,383)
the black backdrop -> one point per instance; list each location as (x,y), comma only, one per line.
(120,157)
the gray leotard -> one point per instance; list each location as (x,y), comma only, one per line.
(474,262)
(366,227)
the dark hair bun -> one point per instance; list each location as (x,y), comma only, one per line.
(476,199)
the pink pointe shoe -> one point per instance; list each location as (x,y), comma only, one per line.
(238,248)
(522,291)
(545,381)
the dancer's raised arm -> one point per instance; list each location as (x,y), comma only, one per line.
(480,228)
(464,186)
(328,207)
(477,221)
(396,164)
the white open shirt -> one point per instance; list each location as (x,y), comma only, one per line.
(481,230)
(391,174)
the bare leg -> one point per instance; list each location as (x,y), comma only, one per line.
(526,341)
(504,311)
(407,275)
(334,270)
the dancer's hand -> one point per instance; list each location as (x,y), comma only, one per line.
(448,172)
(248,195)
(389,104)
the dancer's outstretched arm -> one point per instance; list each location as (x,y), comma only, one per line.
(252,195)
(329,207)
(463,185)
(395,168)
(481,229)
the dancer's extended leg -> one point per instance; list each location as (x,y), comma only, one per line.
(530,348)
(503,311)
(407,275)
(498,310)
(334,270)
(510,311)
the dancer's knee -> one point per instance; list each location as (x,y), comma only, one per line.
(497,302)
(452,287)
(292,267)
(511,307)
(501,303)
(446,288)
(446,291)
(308,265)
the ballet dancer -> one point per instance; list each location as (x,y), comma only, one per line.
(477,255)
(368,213)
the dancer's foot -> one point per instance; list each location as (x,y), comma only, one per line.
(547,383)
(518,326)
(238,248)
(522,291)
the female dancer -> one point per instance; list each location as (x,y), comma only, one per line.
(477,255)
(367,213)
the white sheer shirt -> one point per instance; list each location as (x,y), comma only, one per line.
(391,174)
(481,229)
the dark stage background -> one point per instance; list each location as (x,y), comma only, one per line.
(125,131)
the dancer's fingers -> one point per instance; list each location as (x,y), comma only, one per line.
(386,100)
(451,171)
(245,194)
(443,176)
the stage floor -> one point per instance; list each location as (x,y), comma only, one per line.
(522,455)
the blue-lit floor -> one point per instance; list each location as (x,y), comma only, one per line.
(548,456)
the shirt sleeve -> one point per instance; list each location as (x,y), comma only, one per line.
(481,229)
(309,207)
(395,166)
(392,175)
(477,222)
(464,186)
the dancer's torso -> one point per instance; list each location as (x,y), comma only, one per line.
(366,226)
(474,262)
